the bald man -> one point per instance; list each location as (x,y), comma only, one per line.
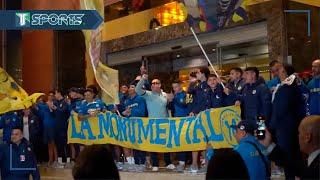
(314,87)
(309,140)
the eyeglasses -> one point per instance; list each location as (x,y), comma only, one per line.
(155,83)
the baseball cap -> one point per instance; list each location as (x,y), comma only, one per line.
(245,125)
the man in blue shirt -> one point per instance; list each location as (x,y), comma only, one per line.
(251,151)
(135,106)
(62,115)
(179,107)
(218,98)
(89,106)
(274,72)
(17,160)
(75,98)
(74,101)
(8,121)
(236,82)
(201,101)
(314,87)
(123,95)
(255,98)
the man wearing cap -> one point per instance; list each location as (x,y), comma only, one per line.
(251,151)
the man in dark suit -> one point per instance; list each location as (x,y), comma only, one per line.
(309,141)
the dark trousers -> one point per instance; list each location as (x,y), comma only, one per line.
(289,145)
(181,156)
(61,143)
(39,149)
(62,150)
(155,161)
(139,157)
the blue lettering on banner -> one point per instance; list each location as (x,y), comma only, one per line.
(145,131)
(198,125)
(132,132)
(174,134)
(190,120)
(164,132)
(122,129)
(86,126)
(213,136)
(74,133)
(114,118)
(160,131)
(104,124)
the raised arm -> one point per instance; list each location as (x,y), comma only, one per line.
(139,88)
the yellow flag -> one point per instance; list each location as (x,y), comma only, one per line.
(11,94)
(32,99)
(106,77)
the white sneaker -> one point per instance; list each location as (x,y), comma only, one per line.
(171,167)
(193,169)
(57,165)
(132,160)
(180,166)
(155,168)
(69,165)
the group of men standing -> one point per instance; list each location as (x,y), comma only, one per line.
(282,102)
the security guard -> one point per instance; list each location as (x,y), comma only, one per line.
(16,158)
(8,121)
(255,98)
(314,87)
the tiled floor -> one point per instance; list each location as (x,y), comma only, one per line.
(61,174)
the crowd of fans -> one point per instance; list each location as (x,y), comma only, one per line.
(280,104)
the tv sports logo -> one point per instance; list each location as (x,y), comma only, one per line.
(22,19)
